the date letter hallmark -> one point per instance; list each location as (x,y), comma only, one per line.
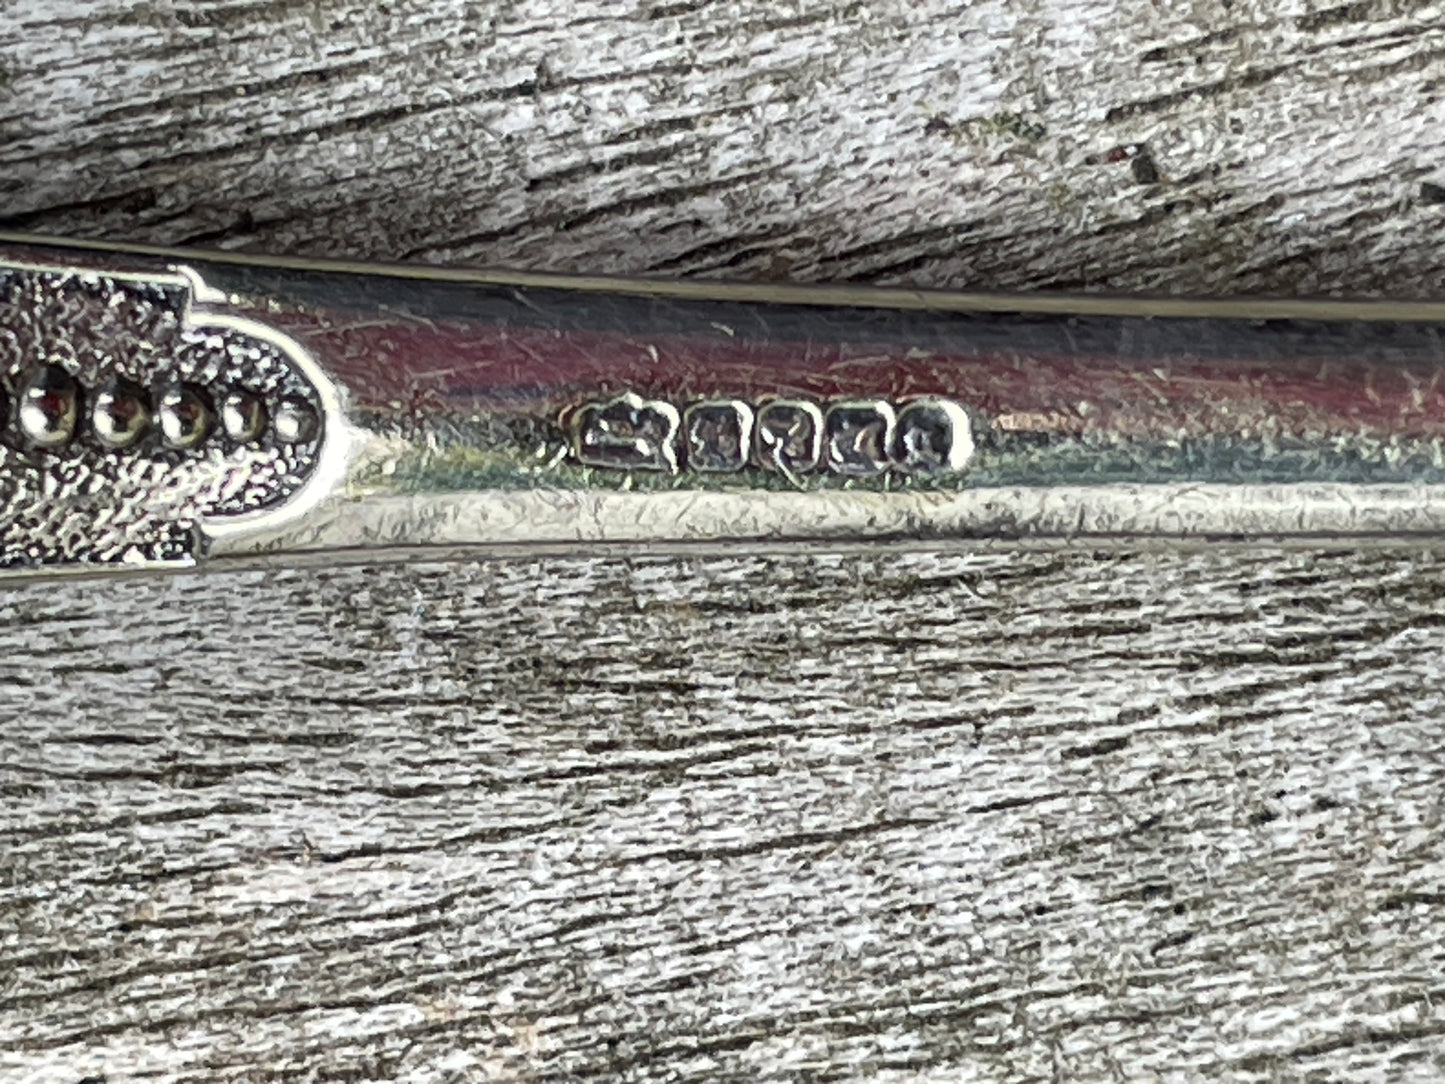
(851,438)
(790,436)
(859,434)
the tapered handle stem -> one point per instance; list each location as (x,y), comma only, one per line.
(163,408)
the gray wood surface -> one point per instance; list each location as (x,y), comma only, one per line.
(1044,815)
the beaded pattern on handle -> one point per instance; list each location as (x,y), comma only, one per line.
(131,413)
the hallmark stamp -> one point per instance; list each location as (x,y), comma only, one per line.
(854,438)
(932,436)
(858,435)
(628,433)
(790,436)
(719,435)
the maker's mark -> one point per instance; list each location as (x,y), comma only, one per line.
(629,432)
(133,412)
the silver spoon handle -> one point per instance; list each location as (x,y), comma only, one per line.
(165,408)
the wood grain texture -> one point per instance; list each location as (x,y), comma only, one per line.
(995,817)
(1255,146)
(1061,815)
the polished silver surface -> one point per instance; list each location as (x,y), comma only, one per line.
(374,526)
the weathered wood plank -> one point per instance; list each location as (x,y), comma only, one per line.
(1114,144)
(994,816)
